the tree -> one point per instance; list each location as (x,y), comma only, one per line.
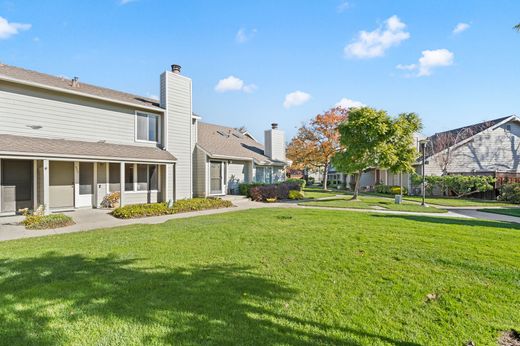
(517,27)
(371,138)
(317,141)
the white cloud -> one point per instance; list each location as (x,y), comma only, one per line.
(374,43)
(296,98)
(152,96)
(343,7)
(460,28)
(348,103)
(10,29)
(233,83)
(243,35)
(429,60)
(124,2)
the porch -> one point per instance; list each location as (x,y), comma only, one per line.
(67,185)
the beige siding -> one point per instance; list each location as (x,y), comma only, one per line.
(141,197)
(177,100)
(492,150)
(367,179)
(237,173)
(64,116)
(199,173)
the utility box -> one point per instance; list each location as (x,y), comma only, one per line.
(398,199)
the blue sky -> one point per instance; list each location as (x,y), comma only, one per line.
(253,63)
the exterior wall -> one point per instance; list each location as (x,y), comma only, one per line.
(367,179)
(176,98)
(200,176)
(275,144)
(64,116)
(141,197)
(237,173)
(492,150)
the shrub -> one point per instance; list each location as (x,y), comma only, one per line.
(195,204)
(245,188)
(132,211)
(391,190)
(510,193)
(279,191)
(293,194)
(310,180)
(271,200)
(459,185)
(157,209)
(111,200)
(35,221)
(300,182)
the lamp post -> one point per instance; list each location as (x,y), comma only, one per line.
(422,144)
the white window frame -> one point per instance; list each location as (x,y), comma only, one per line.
(134,168)
(159,127)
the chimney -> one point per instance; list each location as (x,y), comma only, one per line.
(75,82)
(176,69)
(274,143)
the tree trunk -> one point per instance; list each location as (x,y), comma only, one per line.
(356,187)
(326,176)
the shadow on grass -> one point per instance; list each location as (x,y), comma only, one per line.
(452,221)
(48,300)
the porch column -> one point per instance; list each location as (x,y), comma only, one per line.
(46,197)
(121,183)
(35,184)
(76,184)
(168,183)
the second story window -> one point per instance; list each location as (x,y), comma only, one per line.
(147,127)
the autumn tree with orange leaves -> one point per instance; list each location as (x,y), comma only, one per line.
(317,141)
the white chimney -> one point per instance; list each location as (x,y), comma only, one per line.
(275,143)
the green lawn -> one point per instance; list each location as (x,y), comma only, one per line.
(503,211)
(370,202)
(317,192)
(265,277)
(458,202)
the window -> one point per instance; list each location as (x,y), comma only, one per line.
(129,177)
(147,127)
(142,177)
(113,177)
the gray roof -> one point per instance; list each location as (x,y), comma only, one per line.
(23,75)
(61,148)
(226,142)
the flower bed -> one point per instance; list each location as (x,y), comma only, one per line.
(47,221)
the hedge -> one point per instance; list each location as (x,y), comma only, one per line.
(47,221)
(510,193)
(157,209)
(274,191)
(390,190)
(245,188)
(459,185)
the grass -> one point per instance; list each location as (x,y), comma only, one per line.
(50,221)
(503,211)
(458,202)
(318,192)
(370,202)
(265,277)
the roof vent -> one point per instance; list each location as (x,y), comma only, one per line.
(75,82)
(176,69)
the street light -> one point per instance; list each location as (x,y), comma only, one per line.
(422,144)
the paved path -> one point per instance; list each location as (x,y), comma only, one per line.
(473,213)
(90,219)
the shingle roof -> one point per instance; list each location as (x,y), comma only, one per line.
(24,75)
(45,147)
(224,141)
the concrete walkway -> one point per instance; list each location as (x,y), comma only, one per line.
(90,219)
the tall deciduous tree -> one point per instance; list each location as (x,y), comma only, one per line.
(317,141)
(371,138)
(517,27)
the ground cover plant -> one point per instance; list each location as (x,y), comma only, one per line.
(459,202)
(132,211)
(264,277)
(316,192)
(50,221)
(370,202)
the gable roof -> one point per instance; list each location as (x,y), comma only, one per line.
(439,140)
(226,142)
(63,148)
(23,76)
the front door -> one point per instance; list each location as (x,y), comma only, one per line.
(216,178)
(16,185)
(61,184)
(86,184)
